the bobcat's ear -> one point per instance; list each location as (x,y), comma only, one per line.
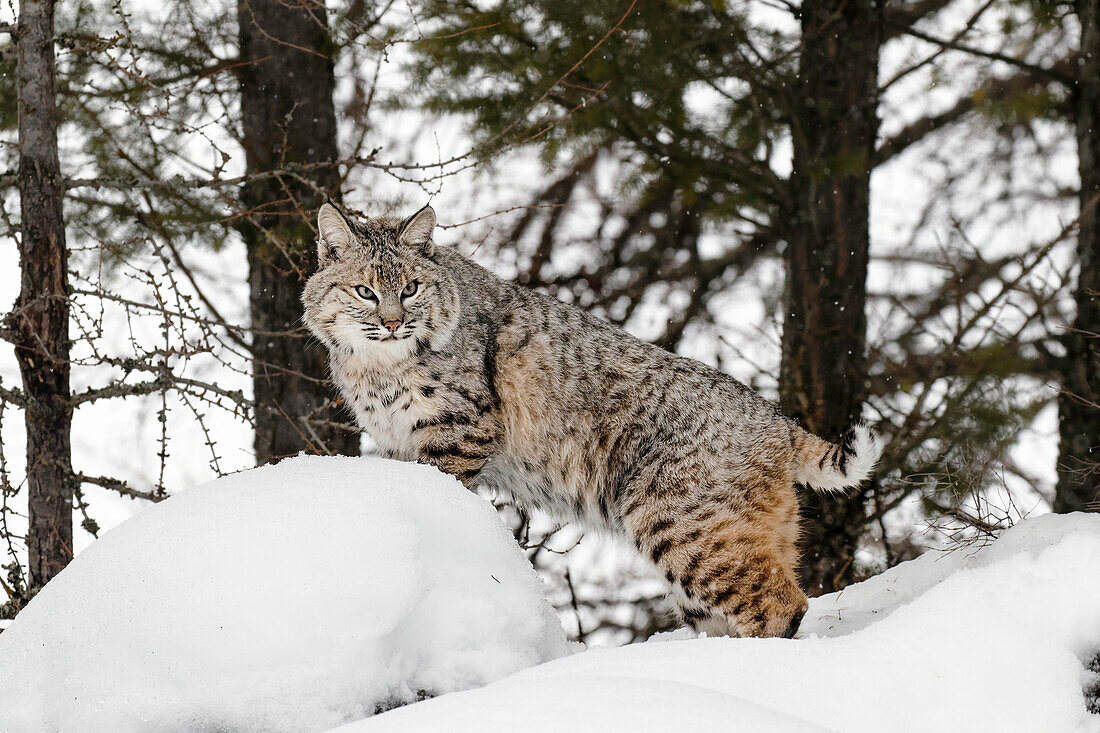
(336,237)
(417,230)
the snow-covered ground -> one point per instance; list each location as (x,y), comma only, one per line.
(286,598)
(989,640)
(314,593)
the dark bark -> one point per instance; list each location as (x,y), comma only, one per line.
(288,117)
(823,376)
(39,323)
(1078,486)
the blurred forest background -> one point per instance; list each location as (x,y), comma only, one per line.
(876,209)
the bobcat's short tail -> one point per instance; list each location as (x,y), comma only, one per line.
(826,466)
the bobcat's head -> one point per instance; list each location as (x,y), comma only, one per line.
(379,292)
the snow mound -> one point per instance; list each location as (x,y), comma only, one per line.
(989,640)
(287,598)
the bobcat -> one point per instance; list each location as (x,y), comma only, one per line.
(442,362)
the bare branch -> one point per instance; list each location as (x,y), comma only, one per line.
(15,396)
(121,487)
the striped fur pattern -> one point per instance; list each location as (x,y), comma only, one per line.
(504,387)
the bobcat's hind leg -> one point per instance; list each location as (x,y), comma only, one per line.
(732,567)
(742,605)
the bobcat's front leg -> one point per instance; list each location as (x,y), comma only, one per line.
(456,444)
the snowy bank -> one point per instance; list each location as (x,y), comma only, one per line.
(287,598)
(976,640)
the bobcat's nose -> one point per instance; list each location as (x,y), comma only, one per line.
(392,326)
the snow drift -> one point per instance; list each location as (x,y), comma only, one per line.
(989,640)
(323,590)
(287,598)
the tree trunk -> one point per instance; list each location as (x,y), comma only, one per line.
(822,376)
(1078,486)
(289,124)
(39,323)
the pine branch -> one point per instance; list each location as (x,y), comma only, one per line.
(1051,72)
(994,90)
(900,18)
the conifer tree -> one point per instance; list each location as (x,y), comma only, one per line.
(834,125)
(1078,486)
(288,126)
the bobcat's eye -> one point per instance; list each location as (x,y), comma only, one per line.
(366,293)
(410,289)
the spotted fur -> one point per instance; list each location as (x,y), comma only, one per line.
(503,386)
